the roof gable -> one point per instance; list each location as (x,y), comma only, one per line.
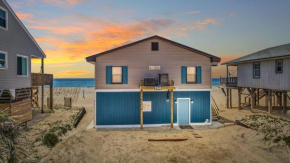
(23,27)
(269,53)
(213,58)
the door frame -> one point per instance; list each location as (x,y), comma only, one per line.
(189,107)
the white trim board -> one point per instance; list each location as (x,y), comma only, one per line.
(24,28)
(6,19)
(138,90)
(133,126)
(27,65)
(6,60)
(147,125)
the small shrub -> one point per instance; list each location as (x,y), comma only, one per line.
(50,139)
(60,130)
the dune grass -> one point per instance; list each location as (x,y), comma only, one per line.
(275,130)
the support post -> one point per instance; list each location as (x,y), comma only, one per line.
(239,98)
(141,104)
(42,85)
(266,100)
(51,97)
(269,101)
(284,101)
(258,97)
(141,108)
(274,99)
(227,98)
(279,98)
(171,108)
(231,101)
(252,99)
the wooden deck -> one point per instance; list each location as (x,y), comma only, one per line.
(229,82)
(41,80)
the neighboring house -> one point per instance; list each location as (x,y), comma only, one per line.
(17,48)
(265,73)
(119,78)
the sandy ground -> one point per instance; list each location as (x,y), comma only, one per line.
(228,144)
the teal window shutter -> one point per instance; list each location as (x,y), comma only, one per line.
(183,74)
(198,74)
(108,74)
(19,66)
(125,74)
(24,66)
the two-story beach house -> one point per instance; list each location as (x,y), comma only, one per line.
(154,81)
(17,49)
(263,74)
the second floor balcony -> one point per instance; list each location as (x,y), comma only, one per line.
(229,81)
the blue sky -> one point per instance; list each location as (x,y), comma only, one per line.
(69,30)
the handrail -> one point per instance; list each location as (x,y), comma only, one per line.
(230,81)
(215,106)
(39,79)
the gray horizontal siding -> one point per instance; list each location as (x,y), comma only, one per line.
(269,78)
(15,41)
(139,57)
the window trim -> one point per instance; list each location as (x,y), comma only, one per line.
(152,46)
(6,19)
(150,106)
(254,70)
(195,75)
(276,66)
(121,75)
(27,65)
(6,60)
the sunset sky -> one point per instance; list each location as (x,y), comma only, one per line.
(70,30)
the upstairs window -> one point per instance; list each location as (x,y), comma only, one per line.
(22,66)
(154,46)
(256,70)
(3,60)
(191,75)
(279,66)
(117,75)
(3,18)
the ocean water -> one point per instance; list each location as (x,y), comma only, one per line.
(90,82)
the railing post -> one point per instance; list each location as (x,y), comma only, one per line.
(227,75)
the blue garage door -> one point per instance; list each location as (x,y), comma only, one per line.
(183,111)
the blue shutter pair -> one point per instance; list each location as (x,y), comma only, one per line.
(109,74)
(184,74)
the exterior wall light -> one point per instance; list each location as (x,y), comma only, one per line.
(167,96)
(191,101)
(175,101)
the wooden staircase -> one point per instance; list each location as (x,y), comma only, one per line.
(214,110)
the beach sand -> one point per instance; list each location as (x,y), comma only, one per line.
(228,144)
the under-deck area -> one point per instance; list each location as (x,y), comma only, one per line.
(275,102)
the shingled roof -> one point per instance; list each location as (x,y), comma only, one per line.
(213,58)
(269,53)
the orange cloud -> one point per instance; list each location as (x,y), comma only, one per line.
(59,30)
(96,37)
(25,17)
(201,25)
